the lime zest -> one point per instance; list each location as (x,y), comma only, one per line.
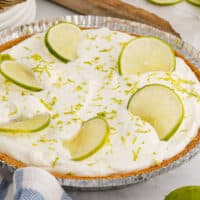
(145,54)
(117,101)
(36,57)
(55,116)
(178,82)
(142,131)
(123,139)
(55,162)
(28,125)
(90,138)
(136,153)
(78,88)
(134,140)
(184,193)
(133,88)
(49,105)
(20,75)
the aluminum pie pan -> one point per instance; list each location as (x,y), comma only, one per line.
(131,27)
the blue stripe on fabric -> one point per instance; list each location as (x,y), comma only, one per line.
(28,194)
(18,179)
(25,193)
(65,196)
(4,189)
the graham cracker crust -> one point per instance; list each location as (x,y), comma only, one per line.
(18,164)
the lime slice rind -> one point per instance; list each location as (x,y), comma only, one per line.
(51,45)
(87,143)
(19,75)
(146,54)
(34,124)
(148,111)
(165,2)
(194,2)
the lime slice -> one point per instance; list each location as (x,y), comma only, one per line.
(145,54)
(165,2)
(29,125)
(62,41)
(91,137)
(20,75)
(195,2)
(160,106)
(184,193)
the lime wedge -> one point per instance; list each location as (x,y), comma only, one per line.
(62,41)
(160,106)
(185,193)
(195,2)
(91,137)
(29,125)
(145,54)
(20,75)
(165,2)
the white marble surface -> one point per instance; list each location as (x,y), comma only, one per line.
(186,20)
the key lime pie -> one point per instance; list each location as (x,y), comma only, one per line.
(96,103)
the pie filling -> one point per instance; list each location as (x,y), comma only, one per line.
(86,87)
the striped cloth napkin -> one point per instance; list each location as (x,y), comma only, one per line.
(30,183)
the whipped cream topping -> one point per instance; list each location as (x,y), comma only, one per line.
(82,89)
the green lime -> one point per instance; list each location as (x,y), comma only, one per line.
(194,2)
(185,193)
(62,41)
(160,106)
(90,138)
(34,124)
(144,54)
(20,75)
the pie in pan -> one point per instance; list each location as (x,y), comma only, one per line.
(96,103)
